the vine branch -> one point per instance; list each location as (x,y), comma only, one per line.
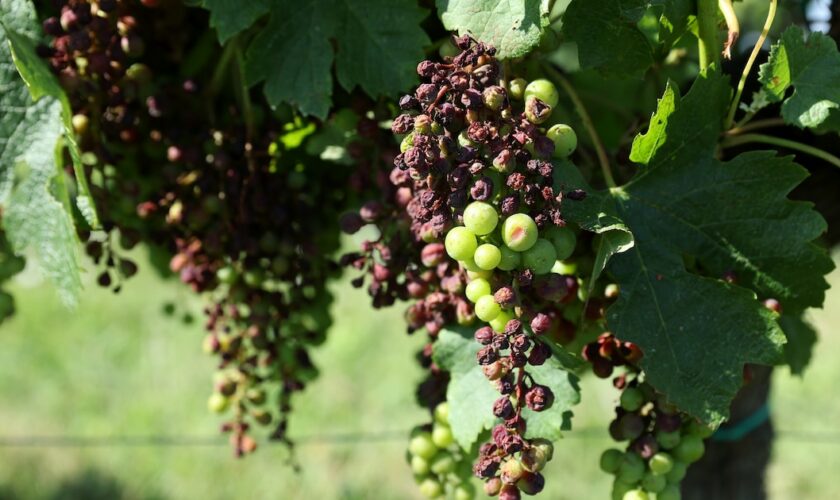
(785,143)
(707,40)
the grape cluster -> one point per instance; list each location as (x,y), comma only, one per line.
(471,228)
(662,443)
(440,466)
(184,158)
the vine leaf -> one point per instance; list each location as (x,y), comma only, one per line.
(471,395)
(377,45)
(41,82)
(514,27)
(230,17)
(801,337)
(697,332)
(811,65)
(32,215)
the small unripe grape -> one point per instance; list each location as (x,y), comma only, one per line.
(668,440)
(478,288)
(510,260)
(678,472)
(632,468)
(480,218)
(460,243)
(632,399)
(511,471)
(419,466)
(661,463)
(637,494)
(464,491)
(480,274)
(516,88)
(543,90)
(520,232)
(487,256)
(564,267)
(217,403)
(442,413)
(422,446)
(80,124)
(611,460)
(540,257)
(671,492)
(442,464)
(499,323)
(653,483)
(407,142)
(690,449)
(564,241)
(226,275)
(442,435)
(619,488)
(486,308)
(534,458)
(545,446)
(430,488)
(564,138)
(700,429)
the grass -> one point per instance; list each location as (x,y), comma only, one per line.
(118,367)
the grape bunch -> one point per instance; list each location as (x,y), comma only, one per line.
(662,443)
(440,466)
(183,157)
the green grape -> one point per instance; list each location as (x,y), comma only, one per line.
(480,274)
(671,492)
(619,488)
(422,445)
(464,491)
(487,256)
(408,142)
(632,399)
(486,308)
(678,472)
(540,258)
(653,483)
(430,488)
(564,138)
(510,259)
(611,460)
(661,463)
(477,288)
(564,241)
(460,243)
(442,464)
(218,403)
(470,265)
(226,275)
(516,88)
(419,466)
(520,232)
(632,468)
(668,440)
(499,323)
(480,218)
(699,429)
(564,267)
(442,413)
(253,278)
(636,495)
(543,90)
(690,449)
(442,436)
(464,140)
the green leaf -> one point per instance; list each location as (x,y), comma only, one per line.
(607,36)
(812,67)
(32,216)
(471,395)
(514,27)
(697,332)
(378,45)
(801,338)
(230,17)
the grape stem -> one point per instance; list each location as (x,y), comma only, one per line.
(603,159)
(756,125)
(707,38)
(733,108)
(244,93)
(785,143)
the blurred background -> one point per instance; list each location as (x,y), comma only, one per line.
(109,402)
